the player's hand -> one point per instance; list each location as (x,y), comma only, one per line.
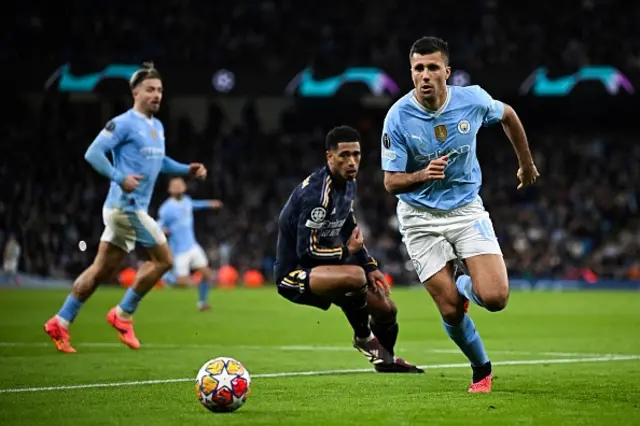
(130,183)
(527,175)
(216,204)
(356,241)
(377,280)
(435,169)
(198,171)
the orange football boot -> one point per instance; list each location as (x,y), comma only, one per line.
(483,386)
(124,327)
(59,335)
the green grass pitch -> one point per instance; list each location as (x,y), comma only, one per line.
(560,358)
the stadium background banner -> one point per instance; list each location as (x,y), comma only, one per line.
(595,81)
(596,94)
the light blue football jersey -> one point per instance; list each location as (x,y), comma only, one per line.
(413,136)
(137,146)
(177,217)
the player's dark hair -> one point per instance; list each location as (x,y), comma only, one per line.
(148,71)
(340,134)
(427,45)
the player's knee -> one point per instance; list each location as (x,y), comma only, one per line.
(382,309)
(496,297)
(496,302)
(354,278)
(389,312)
(105,270)
(164,265)
(451,313)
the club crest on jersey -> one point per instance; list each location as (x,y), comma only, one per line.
(464,126)
(440,132)
(154,134)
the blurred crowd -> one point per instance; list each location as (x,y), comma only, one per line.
(580,221)
(274,33)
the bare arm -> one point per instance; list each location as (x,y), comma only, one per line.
(400,183)
(514,130)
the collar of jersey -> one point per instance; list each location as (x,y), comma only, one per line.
(336,183)
(141,115)
(429,113)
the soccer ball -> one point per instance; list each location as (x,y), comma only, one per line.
(223,385)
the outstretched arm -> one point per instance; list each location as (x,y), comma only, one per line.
(206,204)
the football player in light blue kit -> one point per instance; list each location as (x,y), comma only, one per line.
(136,142)
(430,164)
(176,220)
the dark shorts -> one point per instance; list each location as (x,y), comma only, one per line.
(294,287)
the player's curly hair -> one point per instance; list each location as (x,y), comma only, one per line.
(427,45)
(147,72)
(340,134)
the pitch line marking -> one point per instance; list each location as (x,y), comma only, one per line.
(319,373)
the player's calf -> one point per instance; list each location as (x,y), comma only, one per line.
(384,326)
(203,288)
(120,317)
(383,322)
(457,324)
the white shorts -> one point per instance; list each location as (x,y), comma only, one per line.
(190,260)
(128,229)
(435,237)
(11,267)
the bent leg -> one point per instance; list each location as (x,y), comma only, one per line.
(149,236)
(345,286)
(488,275)
(104,267)
(487,284)
(458,325)
(383,323)
(148,275)
(200,263)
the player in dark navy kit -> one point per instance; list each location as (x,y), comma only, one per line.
(322,260)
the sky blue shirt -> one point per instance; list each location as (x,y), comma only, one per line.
(176,216)
(136,143)
(413,136)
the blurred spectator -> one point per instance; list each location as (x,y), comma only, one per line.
(580,221)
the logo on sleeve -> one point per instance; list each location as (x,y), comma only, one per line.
(318,214)
(391,155)
(386,142)
(316,218)
(108,129)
